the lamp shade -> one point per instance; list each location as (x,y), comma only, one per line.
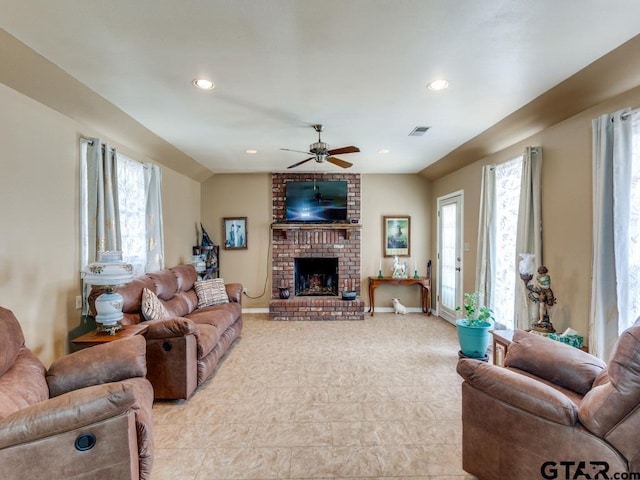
(110,270)
(526,265)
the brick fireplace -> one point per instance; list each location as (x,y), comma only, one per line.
(329,255)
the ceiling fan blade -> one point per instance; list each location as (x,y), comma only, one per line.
(338,151)
(339,162)
(300,163)
(297,151)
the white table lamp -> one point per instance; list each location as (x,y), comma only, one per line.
(110,272)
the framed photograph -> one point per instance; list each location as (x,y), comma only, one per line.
(235,233)
(397,236)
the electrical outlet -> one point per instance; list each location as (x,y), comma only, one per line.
(78,302)
(244,290)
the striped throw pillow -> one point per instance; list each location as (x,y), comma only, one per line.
(152,306)
(211,292)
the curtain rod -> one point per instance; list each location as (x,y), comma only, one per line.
(625,116)
(90,142)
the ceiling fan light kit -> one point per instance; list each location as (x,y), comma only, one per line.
(321,154)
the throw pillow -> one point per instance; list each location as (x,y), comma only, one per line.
(211,292)
(152,306)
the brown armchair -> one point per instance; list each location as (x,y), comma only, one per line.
(88,416)
(553,412)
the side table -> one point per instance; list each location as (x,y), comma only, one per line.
(93,338)
(501,341)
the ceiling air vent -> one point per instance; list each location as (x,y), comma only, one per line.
(418,131)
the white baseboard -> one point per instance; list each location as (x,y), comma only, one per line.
(255,310)
(390,309)
(366,309)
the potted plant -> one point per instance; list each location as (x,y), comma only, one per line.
(473,328)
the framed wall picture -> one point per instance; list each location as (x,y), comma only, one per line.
(235,233)
(397,236)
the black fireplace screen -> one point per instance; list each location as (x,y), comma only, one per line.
(316,276)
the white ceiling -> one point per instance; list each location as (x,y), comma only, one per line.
(359,67)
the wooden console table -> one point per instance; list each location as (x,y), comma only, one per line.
(423,282)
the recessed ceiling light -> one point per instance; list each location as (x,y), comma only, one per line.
(251,151)
(436,85)
(203,84)
(382,151)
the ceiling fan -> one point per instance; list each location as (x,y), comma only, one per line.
(320,153)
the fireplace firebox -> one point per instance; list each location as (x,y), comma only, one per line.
(316,276)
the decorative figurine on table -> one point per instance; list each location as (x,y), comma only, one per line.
(540,293)
(399,269)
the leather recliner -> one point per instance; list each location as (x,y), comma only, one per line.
(553,412)
(88,416)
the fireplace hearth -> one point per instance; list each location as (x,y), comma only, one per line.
(316,276)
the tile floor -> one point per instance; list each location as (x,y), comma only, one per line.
(377,398)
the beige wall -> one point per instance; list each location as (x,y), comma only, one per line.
(394,195)
(242,195)
(249,195)
(566,208)
(39,243)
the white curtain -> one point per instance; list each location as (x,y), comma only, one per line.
(486,257)
(612,160)
(100,219)
(153,211)
(99,210)
(529,236)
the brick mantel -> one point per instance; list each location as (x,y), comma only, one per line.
(290,241)
(347,227)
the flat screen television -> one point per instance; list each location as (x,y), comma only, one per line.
(316,201)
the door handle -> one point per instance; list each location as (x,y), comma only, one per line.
(458,269)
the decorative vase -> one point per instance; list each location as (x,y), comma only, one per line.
(348,294)
(474,340)
(284,292)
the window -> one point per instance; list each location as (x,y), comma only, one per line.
(127,218)
(131,202)
(632,309)
(507,194)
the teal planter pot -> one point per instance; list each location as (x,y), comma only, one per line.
(474,340)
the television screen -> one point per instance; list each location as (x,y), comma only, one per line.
(319,201)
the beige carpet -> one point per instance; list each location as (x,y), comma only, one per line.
(377,398)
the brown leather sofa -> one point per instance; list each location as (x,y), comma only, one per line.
(88,416)
(553,412)
(184,349)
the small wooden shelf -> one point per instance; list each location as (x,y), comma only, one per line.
(347,227)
